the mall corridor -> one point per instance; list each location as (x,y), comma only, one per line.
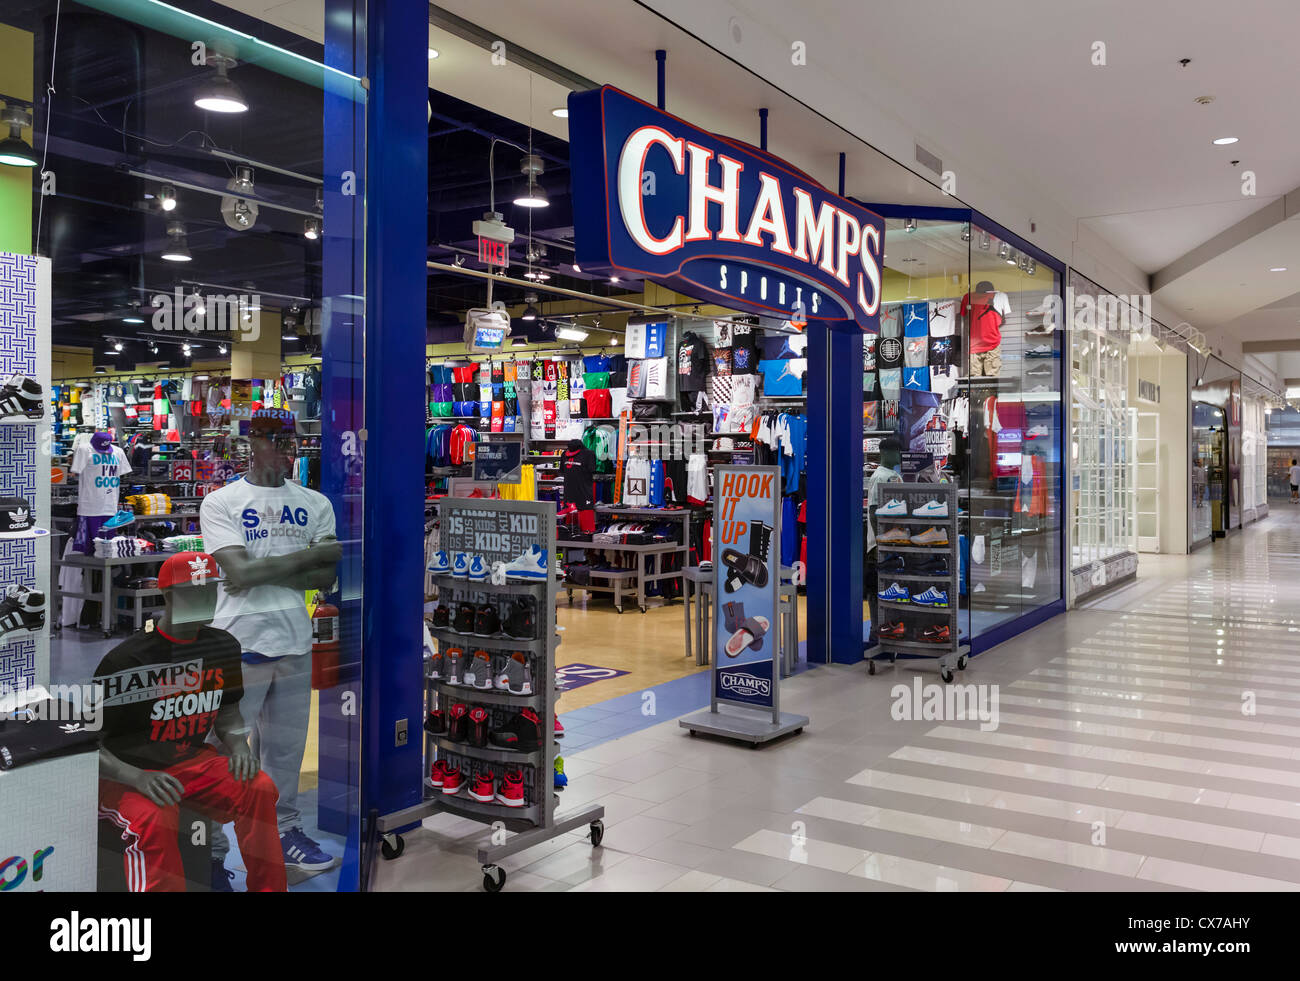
(1145,742)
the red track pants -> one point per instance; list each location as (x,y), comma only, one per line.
(152,858)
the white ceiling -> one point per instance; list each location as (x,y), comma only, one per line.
(1004,90)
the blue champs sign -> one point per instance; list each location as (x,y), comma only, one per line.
(714,218)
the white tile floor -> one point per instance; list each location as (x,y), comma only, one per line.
(1149,741)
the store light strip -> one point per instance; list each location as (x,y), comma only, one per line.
(222,192)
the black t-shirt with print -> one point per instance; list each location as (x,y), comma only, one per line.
(577,468)
(692,363)
(744,354)
(160,698)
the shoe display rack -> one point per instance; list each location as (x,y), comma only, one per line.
(494,734)
(930,512)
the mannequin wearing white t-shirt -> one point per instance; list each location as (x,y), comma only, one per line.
(274,540)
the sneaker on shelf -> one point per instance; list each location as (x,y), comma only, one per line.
(940,633)
(523,732)
(512,789)
(442,617)
(521,622)
(483,787)
(896,594)
(893,631)
(441,565)
(451,778)
(22,609)
(930,537)
(934,596)
(478,672)
(931,509)
(301,852)
(465,615)
(456,722)
(120,520)
(511,677)
(561,781)
(221,877)
(477,724)
(894,536)
(435,723)
(437,774)
(559,729)
(532,564)
(568,511)
(1040,351)
(460,567)
(893,508)
(487,622)
(1036,432)
(933,567)
(1039,389)
(453,663)
(891,563)
(478,569)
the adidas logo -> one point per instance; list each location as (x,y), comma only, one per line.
(199,571)
(20,516)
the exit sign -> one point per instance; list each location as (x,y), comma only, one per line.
(493,253)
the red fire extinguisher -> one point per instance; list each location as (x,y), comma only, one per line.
(324,646)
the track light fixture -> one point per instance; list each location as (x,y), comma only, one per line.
(1004,251)
(530,311)
(177,248)
(909,225)
(311,229)
(984,241)
(14,150)
(965,232)
(218,93)
(167,198)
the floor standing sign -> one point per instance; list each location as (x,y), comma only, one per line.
(747,625)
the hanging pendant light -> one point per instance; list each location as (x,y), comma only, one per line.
(218,93)
(14,150)
(533,195)
(177,248)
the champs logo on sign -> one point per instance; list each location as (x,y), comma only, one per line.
(743,684)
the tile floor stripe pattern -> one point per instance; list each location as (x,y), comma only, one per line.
(1144,742)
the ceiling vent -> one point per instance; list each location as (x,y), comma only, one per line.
(928,160)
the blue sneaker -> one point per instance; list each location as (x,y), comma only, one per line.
(931,597)
(221,877)
(300,852)
(478,570)
(896,594)
(460,567)
(121,519)
(561,781)
(440,565)
(532,564)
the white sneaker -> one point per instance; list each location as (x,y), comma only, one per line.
(460,567)
(931,536)
(478,570)
(440,565)
(931,509)
(532,564)
(894,507)
(1035,432)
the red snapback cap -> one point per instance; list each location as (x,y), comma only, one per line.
(187,569)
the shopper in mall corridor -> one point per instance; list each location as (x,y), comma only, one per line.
(273,539)
(1294,474)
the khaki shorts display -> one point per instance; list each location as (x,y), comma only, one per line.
(986,364)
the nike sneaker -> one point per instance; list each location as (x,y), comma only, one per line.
(435,723)
(511,793)
(22,609)
(514,676)
(523,732)
(1040,351)
(893,631)
(532,565)
(21,400)
(437,774)
(476,726)
(893,563)
(931,509)
(561,780)
(558,729)
(487,622)
(478,673)
(460,567)
(441,617)
(933,567)
(894,536)
(938,634)
(521,623)
(892,508)
(934,596)
(453,661)
(450,780)
(1036,432)
(120,520)
(930,537)
(456,722)
(465,616)
(478,569)
(441,565)
(896,594)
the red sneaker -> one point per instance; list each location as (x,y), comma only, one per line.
(450,779)
(559,729)
(478,720)
(483,786)
(512,789)
(456,722)
(893,631)
(437,773)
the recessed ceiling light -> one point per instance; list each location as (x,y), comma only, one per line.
(1278,269)
(562,112)
(1225,140)
(433,53)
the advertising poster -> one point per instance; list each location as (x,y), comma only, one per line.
(746,515)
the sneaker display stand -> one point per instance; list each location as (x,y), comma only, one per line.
(952,654)
(497,531)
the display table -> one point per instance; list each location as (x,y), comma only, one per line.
(104,594)
(619,576)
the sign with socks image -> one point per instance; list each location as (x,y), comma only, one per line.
(747,523)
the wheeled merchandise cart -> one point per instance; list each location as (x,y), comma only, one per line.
(950,654)
(498,531)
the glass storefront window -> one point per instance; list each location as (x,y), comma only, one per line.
(193,363)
